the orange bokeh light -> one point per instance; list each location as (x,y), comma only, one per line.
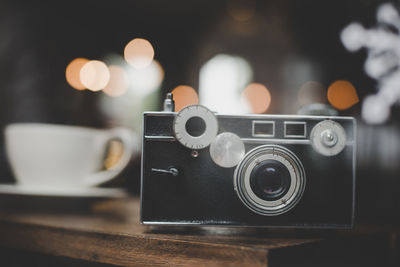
(184,95)
(94,75)
(139,53)
(342,95)
(118,83)
(258,97)
(241,10)
(72,73)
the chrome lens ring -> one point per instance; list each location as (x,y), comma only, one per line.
(242,175)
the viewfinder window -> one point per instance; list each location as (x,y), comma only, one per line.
(295,129)
(263,128)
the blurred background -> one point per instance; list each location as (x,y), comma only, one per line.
(102,63)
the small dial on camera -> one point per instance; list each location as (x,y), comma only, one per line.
(195,127)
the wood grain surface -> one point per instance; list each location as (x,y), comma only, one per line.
(109,232)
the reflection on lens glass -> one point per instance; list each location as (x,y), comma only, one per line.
(270,180)
(273,184)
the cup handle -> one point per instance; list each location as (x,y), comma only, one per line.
(126,137)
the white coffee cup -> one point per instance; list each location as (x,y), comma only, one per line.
(49,155)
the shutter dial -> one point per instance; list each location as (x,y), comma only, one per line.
(195,126)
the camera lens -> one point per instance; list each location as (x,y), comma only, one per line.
(270,180)
(195,126)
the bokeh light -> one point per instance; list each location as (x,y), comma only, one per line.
(221,82)
(139,53)
(183,96)
(94,75)
(72,73)
(342,95)
(375,109)
(258,97)
(241,10)
(353,36)
(147,80)
(311,92)
(118,83)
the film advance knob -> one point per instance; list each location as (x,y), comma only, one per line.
(328,138)
(195,126)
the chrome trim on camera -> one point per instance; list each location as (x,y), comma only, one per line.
(354,170)
(280,141)
(260,116)
(160,137)
(247,140)
(254,123)
(280,116)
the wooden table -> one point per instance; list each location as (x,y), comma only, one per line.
(109,232)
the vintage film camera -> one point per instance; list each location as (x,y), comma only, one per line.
(203,168)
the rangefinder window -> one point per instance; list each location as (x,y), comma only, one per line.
(295,129)
(263,128)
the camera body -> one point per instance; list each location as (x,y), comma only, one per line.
(247,170)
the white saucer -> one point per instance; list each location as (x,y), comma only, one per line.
(89,192)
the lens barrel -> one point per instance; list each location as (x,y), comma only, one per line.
(270,180)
